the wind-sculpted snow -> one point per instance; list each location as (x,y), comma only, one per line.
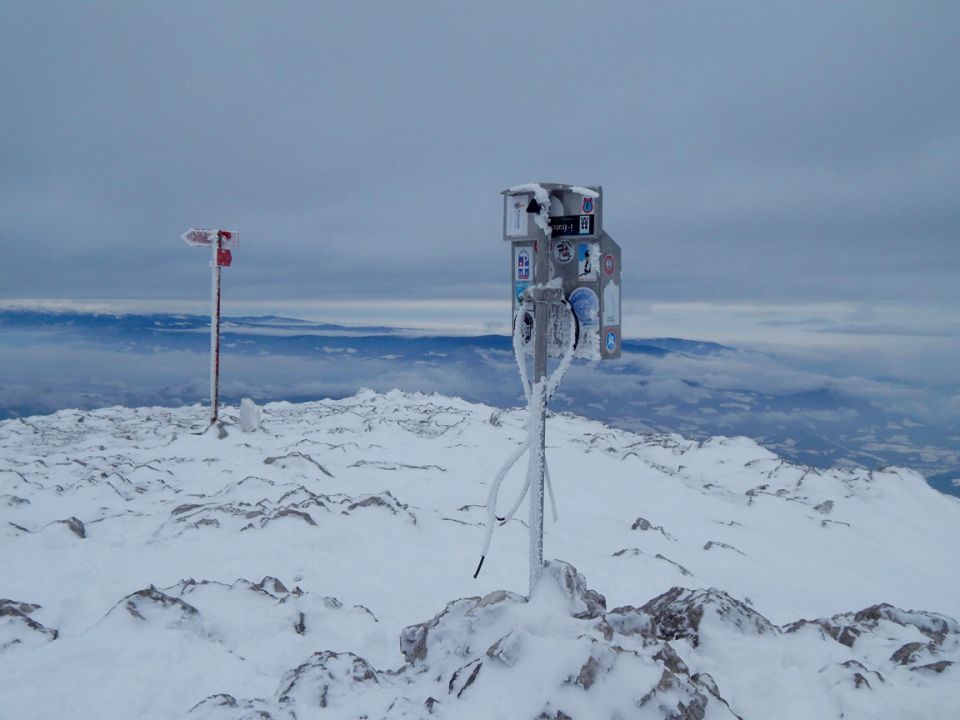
(321,567)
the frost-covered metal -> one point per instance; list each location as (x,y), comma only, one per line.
(583,259)
(565,285)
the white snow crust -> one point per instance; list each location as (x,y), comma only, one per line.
(322,567)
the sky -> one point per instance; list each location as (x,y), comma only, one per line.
(775,173)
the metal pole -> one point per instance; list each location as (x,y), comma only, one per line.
(215,333)
(538,403)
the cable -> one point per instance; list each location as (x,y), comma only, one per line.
(553,382)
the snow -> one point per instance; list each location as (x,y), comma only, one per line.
(150,568)
(249,415)
(540,194)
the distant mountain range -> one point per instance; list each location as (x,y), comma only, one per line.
(55,360)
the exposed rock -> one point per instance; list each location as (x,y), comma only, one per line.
(417,640)
(845,628)
(20,631)
(936,667)
(681,568)
(826,507)
(585,603)
(227,707)
(628,620)
(854,673)
(271,586)
(507,649)
(76,527)
(715,543)
(461,680)
(678,614)
(675,699)
(151,603)
(295,461)
(908,653)
(384,500)
(326,678)
(446,656)
(644,524)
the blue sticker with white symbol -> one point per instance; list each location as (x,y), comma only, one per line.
(519,289)
(611,341)
(586,305)
(523,264)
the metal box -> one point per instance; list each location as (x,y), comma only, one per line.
(582,255)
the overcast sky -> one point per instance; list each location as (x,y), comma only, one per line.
(781,153)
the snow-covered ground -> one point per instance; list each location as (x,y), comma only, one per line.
(322,567)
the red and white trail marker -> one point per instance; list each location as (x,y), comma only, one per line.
(220,242)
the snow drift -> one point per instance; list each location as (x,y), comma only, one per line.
(321,567)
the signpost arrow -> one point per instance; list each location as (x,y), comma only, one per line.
(206,238)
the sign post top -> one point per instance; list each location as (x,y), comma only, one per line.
(571,210)
(206,238)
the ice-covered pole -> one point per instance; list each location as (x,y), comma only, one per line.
(542,297)
(215,329)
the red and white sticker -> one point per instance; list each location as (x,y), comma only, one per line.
(609,264)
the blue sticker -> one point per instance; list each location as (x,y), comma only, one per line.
(523,265)
(611,341)
(588,205)
(586,305)
(519,289)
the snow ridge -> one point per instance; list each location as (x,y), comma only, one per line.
(741,585)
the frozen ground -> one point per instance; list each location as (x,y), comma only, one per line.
(321,567)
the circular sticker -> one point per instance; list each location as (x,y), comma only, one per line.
(611,341)
(563,251)
(609,264)
(586,305)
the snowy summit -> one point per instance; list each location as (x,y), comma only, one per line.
(321,567)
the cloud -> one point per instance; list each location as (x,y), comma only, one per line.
(768,154)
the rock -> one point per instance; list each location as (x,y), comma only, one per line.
(507,649)
(909,652)
(678,614)
(19,631)
(271,586)
(226,707)
(675,699)
(76,527)
(714,543)
(561,638)
(585,603)
(152,605)
(384,500)
(464,677)
(936,667)
(644,524)
(327,679)
(845,628)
